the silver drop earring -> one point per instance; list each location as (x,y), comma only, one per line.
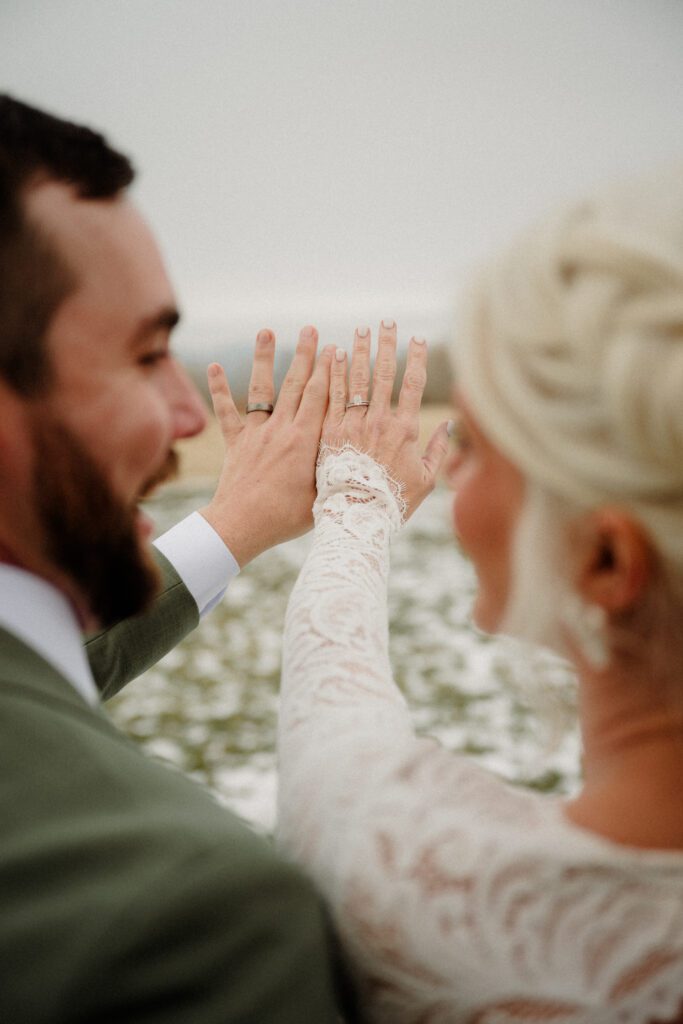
(586,624)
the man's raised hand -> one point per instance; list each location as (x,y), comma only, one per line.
(266,488)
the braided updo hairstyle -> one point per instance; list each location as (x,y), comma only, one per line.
(570,356)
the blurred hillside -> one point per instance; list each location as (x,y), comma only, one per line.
(236,359)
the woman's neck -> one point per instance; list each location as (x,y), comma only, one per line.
(632,731)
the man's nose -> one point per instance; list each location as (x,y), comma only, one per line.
(187,405)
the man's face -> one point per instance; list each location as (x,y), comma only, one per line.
(117,403)
(87,533)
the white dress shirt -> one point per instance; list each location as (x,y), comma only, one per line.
(41,616)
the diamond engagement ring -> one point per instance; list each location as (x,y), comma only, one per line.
(260,407)
(356,402)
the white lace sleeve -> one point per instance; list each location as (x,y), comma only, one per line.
(458,897)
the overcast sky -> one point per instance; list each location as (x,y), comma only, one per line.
(337,162)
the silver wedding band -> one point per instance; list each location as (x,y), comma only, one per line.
(260,407)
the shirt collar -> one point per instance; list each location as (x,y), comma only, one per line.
(42,617)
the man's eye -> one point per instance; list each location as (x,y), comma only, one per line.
(152,358)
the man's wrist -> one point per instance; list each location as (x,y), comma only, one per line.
(236,534)
(201,559)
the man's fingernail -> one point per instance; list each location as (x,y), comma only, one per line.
(265,335)
(308,332)
(362,332)
(388,325)
(340,355)
(420,341)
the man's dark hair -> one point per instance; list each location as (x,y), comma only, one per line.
(34,278)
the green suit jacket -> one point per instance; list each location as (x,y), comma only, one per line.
(127,894)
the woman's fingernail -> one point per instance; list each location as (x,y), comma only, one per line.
(308,332)
(450,428)
(388,325)
(420,341)
(362,332)
(340,355)
(265,335)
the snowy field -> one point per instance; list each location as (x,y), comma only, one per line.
(210,706)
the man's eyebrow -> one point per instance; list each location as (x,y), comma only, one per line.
(165,320)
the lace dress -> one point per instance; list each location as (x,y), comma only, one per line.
(457,897)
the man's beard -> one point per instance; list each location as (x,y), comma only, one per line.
(88,533)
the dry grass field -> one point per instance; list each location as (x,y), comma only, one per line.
(200,457)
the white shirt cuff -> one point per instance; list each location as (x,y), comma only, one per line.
(200,558)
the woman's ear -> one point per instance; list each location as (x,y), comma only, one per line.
(615,560)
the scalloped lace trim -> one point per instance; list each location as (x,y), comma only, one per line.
(354,474)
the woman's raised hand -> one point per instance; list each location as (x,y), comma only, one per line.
(359,411)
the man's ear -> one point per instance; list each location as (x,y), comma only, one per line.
(616,560)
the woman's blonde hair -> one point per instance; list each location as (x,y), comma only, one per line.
(570,355)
